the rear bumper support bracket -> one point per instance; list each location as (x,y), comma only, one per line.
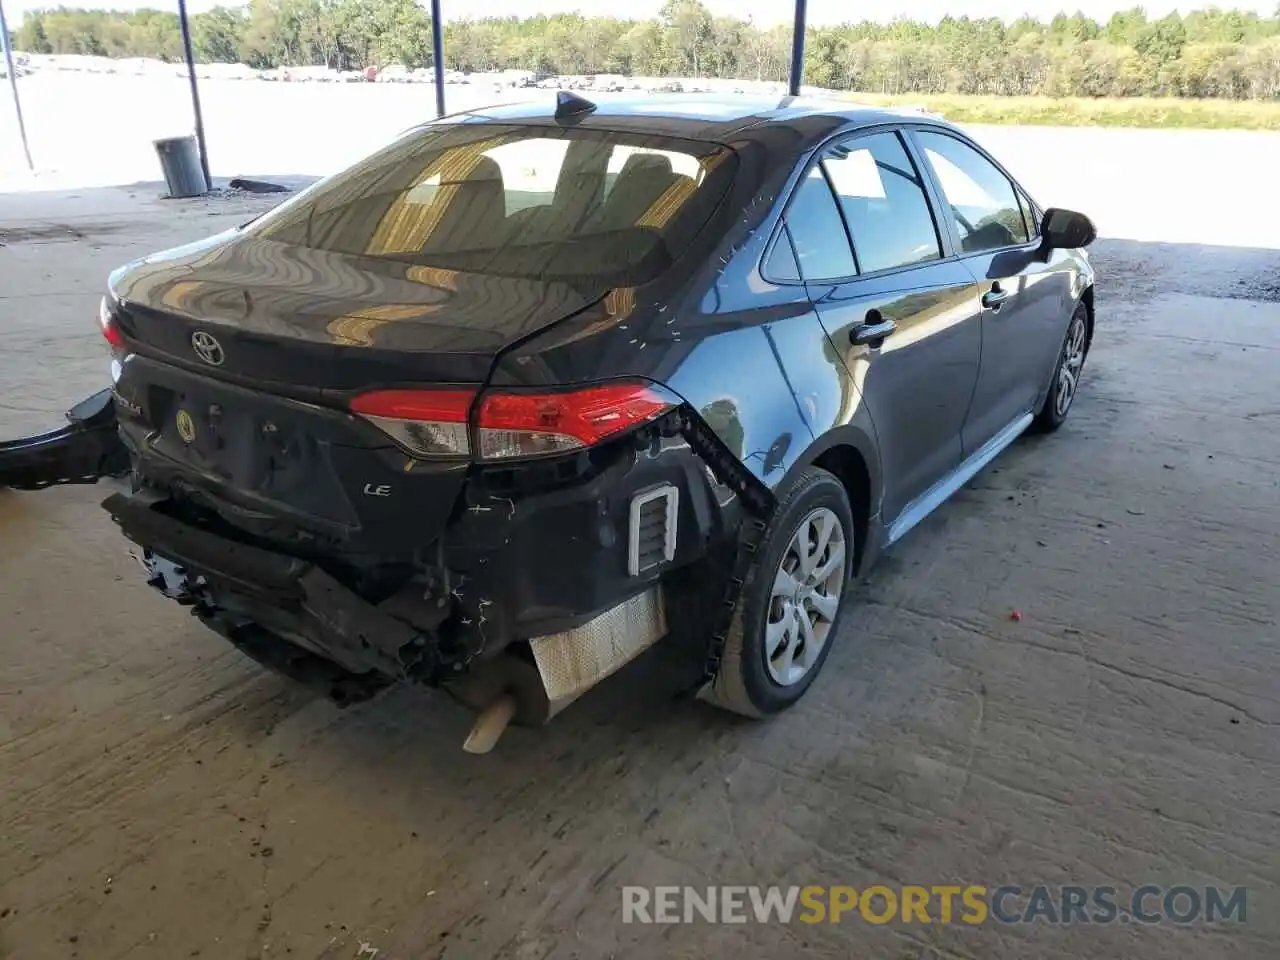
(759,502)
(196,567)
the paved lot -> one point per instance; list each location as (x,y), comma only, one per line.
(163,797)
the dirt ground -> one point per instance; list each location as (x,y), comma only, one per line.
(164,797)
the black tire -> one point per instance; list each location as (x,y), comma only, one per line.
(745,683)
(1052,413)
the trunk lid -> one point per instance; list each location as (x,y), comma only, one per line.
(248,351)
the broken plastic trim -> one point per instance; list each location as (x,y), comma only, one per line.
(758,500)
(86,450)
(257,186)
(755,496)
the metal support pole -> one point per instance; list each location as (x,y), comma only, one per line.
(195,92)
(13,85)
(797,49)
(437,54)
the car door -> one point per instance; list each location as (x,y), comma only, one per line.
(898,311)
(1022,296)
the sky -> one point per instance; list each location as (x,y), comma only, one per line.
(762,11)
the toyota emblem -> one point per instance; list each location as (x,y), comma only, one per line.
(207,348)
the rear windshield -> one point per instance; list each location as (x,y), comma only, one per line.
(523,201)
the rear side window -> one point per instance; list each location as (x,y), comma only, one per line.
(884,203)
(782,264)
(982,200)
(821,244)
(521,201)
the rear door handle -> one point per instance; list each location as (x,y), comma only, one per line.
(872,331)
(992,299)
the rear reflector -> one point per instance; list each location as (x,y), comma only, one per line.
(434,423)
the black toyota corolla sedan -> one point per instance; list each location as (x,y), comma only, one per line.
(535,387)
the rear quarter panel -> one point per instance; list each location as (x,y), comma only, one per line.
(722,352)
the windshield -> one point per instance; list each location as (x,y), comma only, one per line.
(525,201)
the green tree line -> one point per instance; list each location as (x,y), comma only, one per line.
(1207,53)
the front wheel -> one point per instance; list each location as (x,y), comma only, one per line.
(1066,375)
(792,598)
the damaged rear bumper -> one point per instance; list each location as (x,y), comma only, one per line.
(276,597)
(84,451)
(540,586)
(293,617)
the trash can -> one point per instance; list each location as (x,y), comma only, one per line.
(180,161)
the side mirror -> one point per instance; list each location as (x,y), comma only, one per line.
(1066,230)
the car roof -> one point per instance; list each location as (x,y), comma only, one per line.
(699,117)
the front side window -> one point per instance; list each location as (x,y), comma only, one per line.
(884,203)
(821,244)
(518,201)
(1029,215)
(982,201)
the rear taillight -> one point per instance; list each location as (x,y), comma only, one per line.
(110,326)
(532,424)
(434,423)
(427,423)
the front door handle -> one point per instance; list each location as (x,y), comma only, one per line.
(992,299)
(872,331)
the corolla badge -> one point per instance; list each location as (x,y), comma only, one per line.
(207,348)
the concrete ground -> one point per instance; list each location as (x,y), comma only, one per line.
(164,797)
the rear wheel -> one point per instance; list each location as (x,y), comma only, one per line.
(1066,375)
(791,601)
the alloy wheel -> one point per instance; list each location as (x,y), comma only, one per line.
(1069,369)
(805,597)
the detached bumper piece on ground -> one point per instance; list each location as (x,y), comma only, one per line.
(85,450)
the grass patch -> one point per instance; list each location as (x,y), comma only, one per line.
(1164,112)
